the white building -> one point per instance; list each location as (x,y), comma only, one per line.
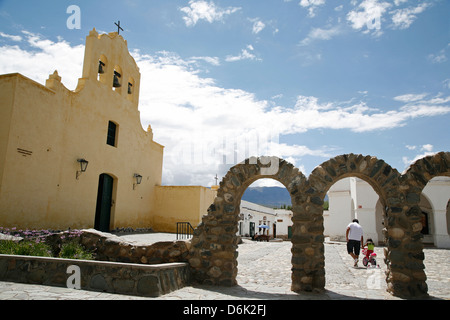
(352,198)
(253,215)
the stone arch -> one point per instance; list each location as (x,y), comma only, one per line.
(406,274)
(377,173)
(213,254)
(426,168)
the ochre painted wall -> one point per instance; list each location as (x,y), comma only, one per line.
(45,129)
(180,204)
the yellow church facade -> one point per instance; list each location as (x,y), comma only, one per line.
(80,159)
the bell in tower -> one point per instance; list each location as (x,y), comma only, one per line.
(100,67)
(116,82)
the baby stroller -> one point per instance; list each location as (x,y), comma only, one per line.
(371,261)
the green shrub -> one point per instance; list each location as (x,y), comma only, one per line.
(34,244)
(73,250)
(25,248)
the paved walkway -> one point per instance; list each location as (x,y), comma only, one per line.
(264,273)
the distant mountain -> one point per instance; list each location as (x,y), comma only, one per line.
(273,197)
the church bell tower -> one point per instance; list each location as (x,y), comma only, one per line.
(108,61)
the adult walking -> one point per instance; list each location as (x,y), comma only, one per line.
(354,236)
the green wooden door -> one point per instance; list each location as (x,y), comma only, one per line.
(290,232)
(252,229)
(104,202)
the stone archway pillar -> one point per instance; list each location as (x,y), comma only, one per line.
(213,254)
(406,270)
(308,254)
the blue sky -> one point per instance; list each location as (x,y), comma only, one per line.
(304,80)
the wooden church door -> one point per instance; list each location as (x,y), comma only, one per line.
(104,203)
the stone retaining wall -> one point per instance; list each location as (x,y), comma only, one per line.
(121,278)
(109,247)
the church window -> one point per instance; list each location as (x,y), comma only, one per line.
(112,134)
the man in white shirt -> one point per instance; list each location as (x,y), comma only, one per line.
(354,236)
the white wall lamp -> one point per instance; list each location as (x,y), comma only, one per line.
(83,166)
(138,178)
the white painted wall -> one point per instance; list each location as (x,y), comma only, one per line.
(437,192)
(354,198)
(251,212)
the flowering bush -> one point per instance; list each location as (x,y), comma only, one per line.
(28,235)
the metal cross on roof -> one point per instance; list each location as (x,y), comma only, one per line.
(118,27)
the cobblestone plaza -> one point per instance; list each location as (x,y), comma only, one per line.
(264,273)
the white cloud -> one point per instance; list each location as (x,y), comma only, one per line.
(203,10)
(215,61)
(278,96)
(311,5)
(403,18)
(446,83)
(427,151)
(439,57)
(310,114)
(42,58)
(11,37)
(427,147)
(258,26)
(368,15)
(321,34)
(246,54)
(410,97)
(399,2)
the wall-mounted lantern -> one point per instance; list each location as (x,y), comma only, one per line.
(138,179)
(83,166)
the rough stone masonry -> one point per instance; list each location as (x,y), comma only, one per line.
(213,252)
